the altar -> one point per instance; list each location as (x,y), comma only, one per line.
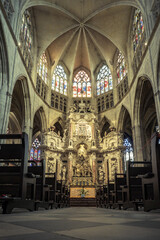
(82,192)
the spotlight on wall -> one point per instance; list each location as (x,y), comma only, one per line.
(145,43)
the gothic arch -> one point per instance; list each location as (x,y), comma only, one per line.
(145,115)
(20,110)
(59,125)
(39,123)
(124,121)
(104,126)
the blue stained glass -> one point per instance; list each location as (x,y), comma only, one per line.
(39,155)
(104,80)
(84,85)
(128,152)
(60,85)
(35,151)
(42,68)
(121,68)
(84,88)
(138,29)
(31,154)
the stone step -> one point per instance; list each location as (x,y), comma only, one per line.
(83,202)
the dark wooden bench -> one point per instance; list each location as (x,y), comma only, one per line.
(50,180)
(104,193)
(17,189)
(109,190)
(132,196)
(109,200)
(61,197)
(42,189)
(151,181)
(119,182)
(99,196)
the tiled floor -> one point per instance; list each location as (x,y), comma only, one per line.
(80,223)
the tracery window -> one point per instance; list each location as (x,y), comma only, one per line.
(81,85)
(35,152)
(128,152)
(59,80)
(138,29)
(42,68)
(104,80)
(26,39)
(121,68)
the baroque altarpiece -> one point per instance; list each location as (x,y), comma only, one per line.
(82,157)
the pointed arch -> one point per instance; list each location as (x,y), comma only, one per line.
(145,115)
(104,79)
(39,123)
(58,123)
(81,83)
(20,105)
(104,126)
(124,121)
(60,79)
(125,127)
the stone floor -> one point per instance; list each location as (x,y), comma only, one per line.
(80,223)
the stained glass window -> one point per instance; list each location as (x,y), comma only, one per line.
(81,85)
(59,80)
(26,38)
(128,153)
(35,152)
(138,29)
(104,80)
(121,68)
(42,69)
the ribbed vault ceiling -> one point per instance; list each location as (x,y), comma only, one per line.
(82,32)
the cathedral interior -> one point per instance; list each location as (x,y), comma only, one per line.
(82,79)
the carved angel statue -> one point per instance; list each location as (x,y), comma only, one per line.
(64,173)
(100,174)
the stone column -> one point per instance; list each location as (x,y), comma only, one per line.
(58,167)
(94,173)
(138,154)
(70,162)
(5,103)
(93,135)
(120,163)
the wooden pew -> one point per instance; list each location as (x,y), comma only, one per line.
(61,197)
(132,193)
(99,196)
(151,181)
(14,180)
(42,189)
(67,196)
(104,193)
(119,182)
(110,189)
(50,180)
